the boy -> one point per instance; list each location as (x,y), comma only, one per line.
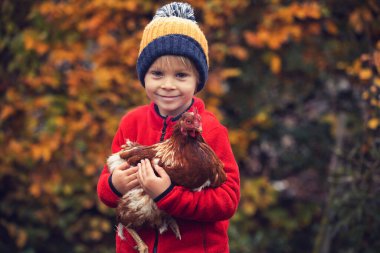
(173,66)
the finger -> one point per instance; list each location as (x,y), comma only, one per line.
(160,171)
(148,167)
(123,166)
(131,177)
(134,183)
(140,173)
(131,171)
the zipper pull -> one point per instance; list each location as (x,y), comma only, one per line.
(163,131)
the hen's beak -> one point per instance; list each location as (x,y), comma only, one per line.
(198,126)
(192,133)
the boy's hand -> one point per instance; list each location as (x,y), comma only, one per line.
(153,185)
(124,178)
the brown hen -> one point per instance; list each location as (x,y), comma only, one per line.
(186,158)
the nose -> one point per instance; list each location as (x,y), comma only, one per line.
(168,83)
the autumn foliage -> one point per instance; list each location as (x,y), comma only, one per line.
(296,82)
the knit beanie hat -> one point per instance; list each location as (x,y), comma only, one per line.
(174,31)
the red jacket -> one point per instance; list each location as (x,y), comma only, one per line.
(203,216)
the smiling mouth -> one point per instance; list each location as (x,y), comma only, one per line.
(169,97)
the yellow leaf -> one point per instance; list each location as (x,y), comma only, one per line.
(365,74)
(376,81)
(373,123)
(105,226)
(275,64)
(68,189)
(249,208)
(261,118)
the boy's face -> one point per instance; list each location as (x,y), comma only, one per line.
(171,84)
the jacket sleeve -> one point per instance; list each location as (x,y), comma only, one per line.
(210,204)
(107,193)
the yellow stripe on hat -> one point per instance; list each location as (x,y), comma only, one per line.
(162,26)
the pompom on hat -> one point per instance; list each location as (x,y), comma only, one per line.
(174,31)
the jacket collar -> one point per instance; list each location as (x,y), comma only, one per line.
(156,120)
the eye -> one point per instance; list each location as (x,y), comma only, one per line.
(182,75)
(188,121)
(157,73)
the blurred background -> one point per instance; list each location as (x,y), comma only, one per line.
(297,83)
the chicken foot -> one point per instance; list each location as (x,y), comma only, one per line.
(141,247)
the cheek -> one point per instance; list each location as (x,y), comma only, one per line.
(150,86)
(192,88)
(149,91)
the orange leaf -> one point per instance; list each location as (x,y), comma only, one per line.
(6,112)
(252,39)
(331,27)
(376,60)
(230,72)
(90,170)
(238,52)
(275,64)
(35,190)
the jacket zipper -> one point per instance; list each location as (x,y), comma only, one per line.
(163,131)
(155,242)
